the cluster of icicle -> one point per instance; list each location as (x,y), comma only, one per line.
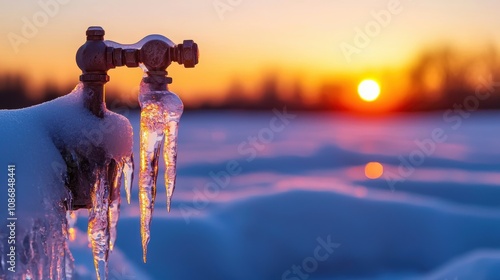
(160,115)
(44,252)
(105,210)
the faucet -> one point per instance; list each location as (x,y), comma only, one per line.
(154,53)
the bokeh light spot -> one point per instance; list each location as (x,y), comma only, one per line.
(374,170)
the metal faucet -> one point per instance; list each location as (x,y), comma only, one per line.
(154,54)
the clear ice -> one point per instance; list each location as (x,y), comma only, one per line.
(160,115)
(98,227)
(45,253)
(128,173)
(105,210)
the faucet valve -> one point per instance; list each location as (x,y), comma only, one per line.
(156,53)
(187,54)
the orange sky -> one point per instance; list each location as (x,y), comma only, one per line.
(244,40)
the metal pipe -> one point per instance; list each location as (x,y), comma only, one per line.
(91,59)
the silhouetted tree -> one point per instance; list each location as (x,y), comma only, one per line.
(270,96)
(13,92)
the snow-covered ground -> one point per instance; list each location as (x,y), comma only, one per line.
(298,205)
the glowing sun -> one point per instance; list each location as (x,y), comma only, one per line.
(369,90)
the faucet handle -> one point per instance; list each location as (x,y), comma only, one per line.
(154,54)
(188,53)
(95,33)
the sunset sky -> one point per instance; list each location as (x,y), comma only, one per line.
(243,40)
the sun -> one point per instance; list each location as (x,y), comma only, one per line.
(369,90)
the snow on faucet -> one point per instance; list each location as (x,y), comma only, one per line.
(73,154)
(66,158)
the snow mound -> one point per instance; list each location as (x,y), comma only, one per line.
(39,142)
(407,236)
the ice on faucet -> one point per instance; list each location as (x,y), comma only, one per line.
(43,139)
(128,173)
(99,226)
(160,115)
(76,153)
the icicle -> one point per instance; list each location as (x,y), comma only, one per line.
(128,172)
(59,260)
(104,213)
(151,142)
(43,252)
(114,208)
(38,249)
(52,264)
(55,239)
(114,214)
(98,228)
(160,114)
(170,156)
